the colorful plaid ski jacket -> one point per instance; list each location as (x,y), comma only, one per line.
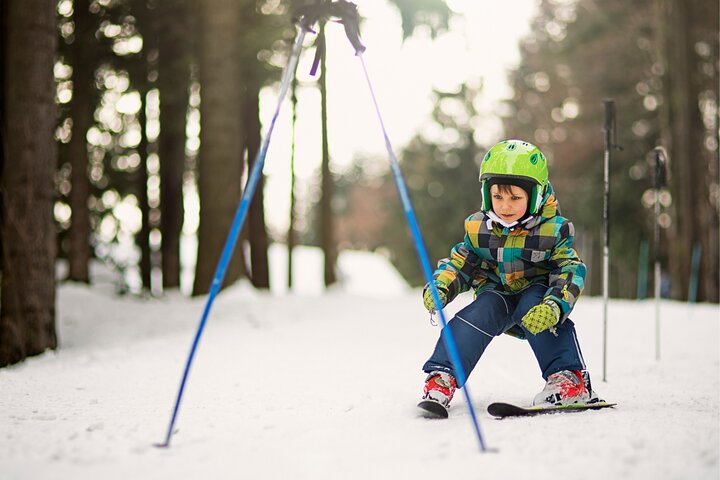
(492,257)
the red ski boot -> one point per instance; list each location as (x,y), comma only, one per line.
(438,391)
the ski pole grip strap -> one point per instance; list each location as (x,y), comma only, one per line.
(306,16)
(319,51)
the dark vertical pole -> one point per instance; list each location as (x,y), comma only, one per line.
(660,157)
(609,141)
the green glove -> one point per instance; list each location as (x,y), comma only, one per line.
(542,317)
(428,298)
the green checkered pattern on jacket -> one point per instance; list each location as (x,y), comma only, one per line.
(492,257)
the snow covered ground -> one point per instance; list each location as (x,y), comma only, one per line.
(311,386)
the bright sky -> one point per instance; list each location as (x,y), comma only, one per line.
(481,44)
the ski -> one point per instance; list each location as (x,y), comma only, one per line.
(503,410)
(431,409)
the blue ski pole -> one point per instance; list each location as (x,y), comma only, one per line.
(236,227)
(424,260)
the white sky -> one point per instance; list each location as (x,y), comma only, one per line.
(481,44)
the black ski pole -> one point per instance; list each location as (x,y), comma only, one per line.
(660,160)
(609,146)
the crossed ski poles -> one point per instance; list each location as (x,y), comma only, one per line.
(306,17)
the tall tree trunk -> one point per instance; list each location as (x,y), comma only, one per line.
(257,231)
(689,157)
(81,112)
(3,128)
(173,83)
(326,215)
(221,146)
(142,239)
(291,227)
(27,300)
(682,162)
(703,21)
(141,69)
(672,263)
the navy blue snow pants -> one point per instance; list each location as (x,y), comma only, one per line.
(490,315)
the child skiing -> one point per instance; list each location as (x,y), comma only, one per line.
(517,256)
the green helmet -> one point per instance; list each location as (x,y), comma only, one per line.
(519,163)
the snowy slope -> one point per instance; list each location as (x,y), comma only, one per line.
(309,386)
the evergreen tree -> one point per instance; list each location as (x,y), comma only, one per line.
(175,33)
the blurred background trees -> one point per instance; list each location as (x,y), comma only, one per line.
(155,113)
(659,61)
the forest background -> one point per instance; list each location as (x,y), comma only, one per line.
(121,119)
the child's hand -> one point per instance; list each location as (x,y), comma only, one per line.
(428,298)
(542,317)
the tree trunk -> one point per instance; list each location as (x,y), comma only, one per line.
(81,112)
(3,128)
(689,159)
(173,83)
(221,146)
(27,300)
(291,227)
(140,69)
(257,230)
(682,160)
(326,215)
(142,239)
(703,21)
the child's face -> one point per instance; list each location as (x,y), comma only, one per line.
(509,202)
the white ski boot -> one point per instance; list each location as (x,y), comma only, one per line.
(566,387)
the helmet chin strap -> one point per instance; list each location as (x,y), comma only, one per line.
(535,200)
(500,221)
